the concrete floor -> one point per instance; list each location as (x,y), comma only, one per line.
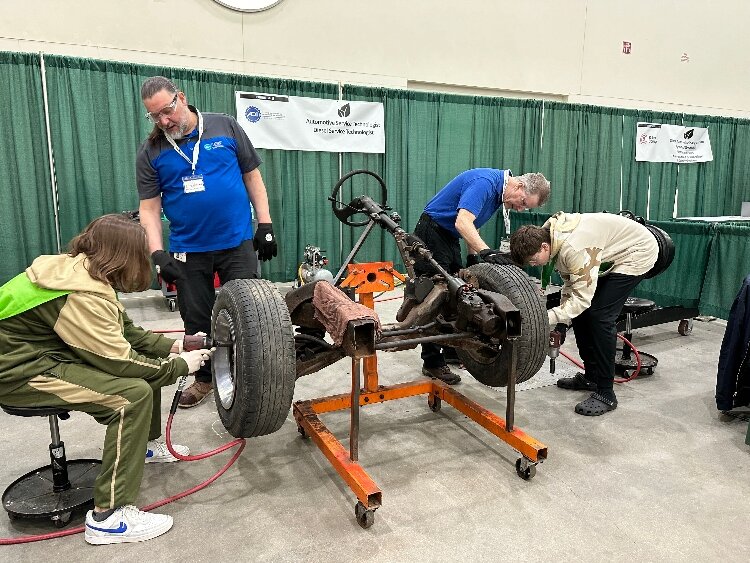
(665,477)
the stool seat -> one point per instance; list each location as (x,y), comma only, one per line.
(637,305)
(35,411)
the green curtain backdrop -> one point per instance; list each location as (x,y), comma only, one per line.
(27,224)
(587,152)
(728,264)
(681,284)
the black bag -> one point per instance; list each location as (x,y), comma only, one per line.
(666,245)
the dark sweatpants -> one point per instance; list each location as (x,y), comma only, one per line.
(596,328)
(195,288)
(446,251)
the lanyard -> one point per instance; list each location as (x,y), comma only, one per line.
(506,211)
(196,148)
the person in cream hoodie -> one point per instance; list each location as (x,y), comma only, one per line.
(578,244)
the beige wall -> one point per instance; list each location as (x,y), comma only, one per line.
(552,49)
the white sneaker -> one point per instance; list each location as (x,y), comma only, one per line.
(157,451)
(126,524)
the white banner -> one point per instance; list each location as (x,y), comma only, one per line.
(274,121)
(656,142)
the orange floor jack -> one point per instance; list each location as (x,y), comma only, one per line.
(367,279)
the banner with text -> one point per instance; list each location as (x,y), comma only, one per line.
(656,142)
(274,121)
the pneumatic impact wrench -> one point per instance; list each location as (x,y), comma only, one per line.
(554,349)
(192,342)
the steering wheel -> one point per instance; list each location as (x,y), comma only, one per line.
(344,211)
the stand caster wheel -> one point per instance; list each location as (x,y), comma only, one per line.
(365,517)
(685,327)
(525,470)
(61,520)
(435,403)
(302,432)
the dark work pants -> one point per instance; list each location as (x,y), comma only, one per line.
(195,288)
(596,328)
(446,251)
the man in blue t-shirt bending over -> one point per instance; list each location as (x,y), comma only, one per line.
(203,171)
(457,212)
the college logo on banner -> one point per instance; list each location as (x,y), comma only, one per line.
(274,121)
(656,142)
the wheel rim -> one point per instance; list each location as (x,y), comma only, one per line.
(223,363)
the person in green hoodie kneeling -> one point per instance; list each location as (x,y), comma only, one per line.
(66,341)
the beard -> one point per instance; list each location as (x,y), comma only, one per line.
(180,129)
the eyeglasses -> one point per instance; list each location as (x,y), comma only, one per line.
(166,111)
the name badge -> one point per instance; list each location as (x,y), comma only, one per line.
(192,184)
(505,245)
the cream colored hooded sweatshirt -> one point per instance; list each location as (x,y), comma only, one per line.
(583,241)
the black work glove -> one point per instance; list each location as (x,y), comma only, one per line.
(472,259)
(264,242)
(166,266)
(496,257)
(562,329)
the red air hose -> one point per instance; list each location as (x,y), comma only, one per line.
(617,379)
(238,442)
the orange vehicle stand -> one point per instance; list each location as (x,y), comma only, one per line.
(366,279)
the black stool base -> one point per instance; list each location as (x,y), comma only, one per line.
(32,495)
(648,363)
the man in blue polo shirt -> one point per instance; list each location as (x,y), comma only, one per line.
(457,212)
(203,171)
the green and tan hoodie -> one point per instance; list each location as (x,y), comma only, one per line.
(583,241)
(56,313)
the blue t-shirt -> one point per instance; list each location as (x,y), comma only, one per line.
(218,217)
(479,191)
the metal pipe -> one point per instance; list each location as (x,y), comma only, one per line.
(399,332)
(354,410)
(354,251)
(53,176)
(511,401)
(54,430)
(436,338)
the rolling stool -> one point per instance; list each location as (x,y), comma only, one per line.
(625,362)
(56,490)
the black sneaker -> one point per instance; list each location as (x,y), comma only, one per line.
(443,373)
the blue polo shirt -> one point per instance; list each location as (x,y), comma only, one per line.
(479,191)
(218,217)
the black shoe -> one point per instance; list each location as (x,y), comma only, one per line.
(576,383)
(596,405)
(443,373)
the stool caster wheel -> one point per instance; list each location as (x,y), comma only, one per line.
(435,403)
(525,470)
(61,520)
(302,432)
(365,517)
(685,327)
(172,305)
